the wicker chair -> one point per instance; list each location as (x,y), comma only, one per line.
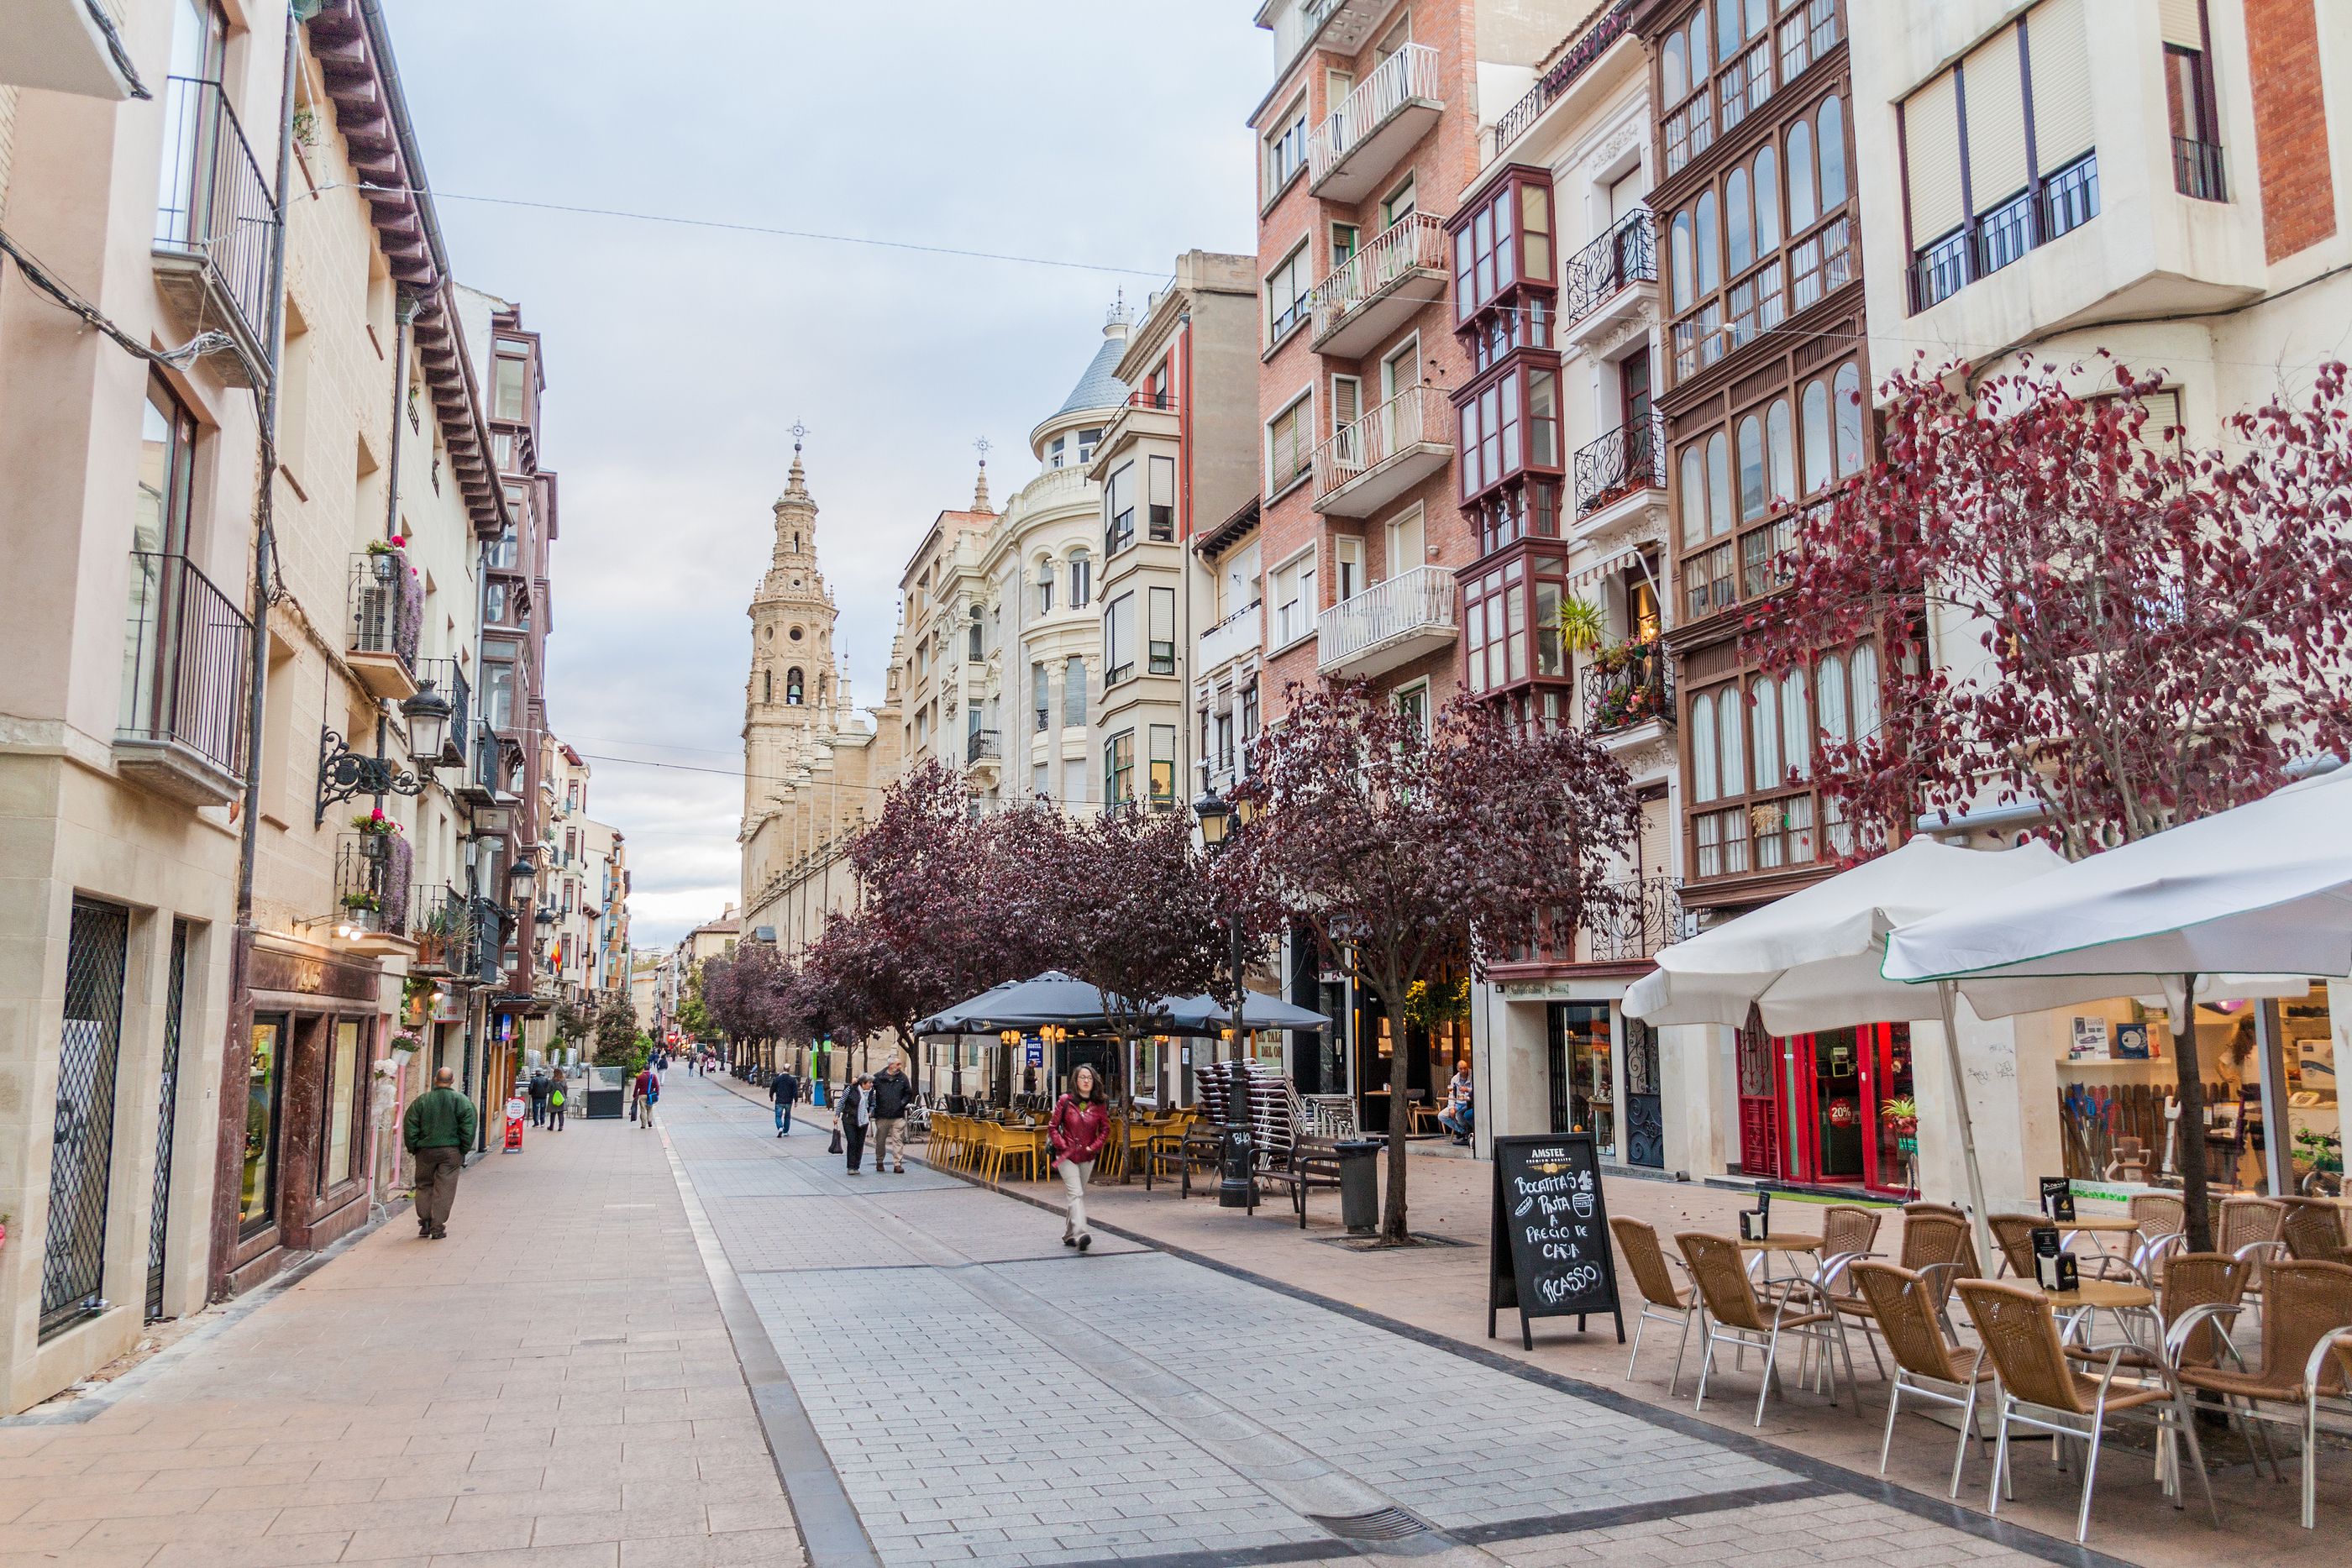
(1662,1298)
(2040,1390)
(1848,1233)
(1928,1365)
(2014,1234)
(2306,1361)
(2314,1231)
(1938,1244)
(2163,1221)
(2192,1281)
(2250,1227)
(1738,1316)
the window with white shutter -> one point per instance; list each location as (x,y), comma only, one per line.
(2061,53)
(1995,120)
(1931,150)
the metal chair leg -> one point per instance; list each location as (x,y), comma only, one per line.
(1887,1443)
(1682,1347)
(2090,1474)
(1641,1325)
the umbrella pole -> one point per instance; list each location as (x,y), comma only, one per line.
(1944,1001)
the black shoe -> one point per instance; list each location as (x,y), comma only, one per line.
(1086,1241)
(1069,1241)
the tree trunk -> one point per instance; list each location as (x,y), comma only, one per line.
(1393,1211)
(2196,1199)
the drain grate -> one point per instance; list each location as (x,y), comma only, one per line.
(1381,1524)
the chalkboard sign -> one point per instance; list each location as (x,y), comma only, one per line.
(1551,1249)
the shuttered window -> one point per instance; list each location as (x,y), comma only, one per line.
(2183,22)
(1996,115)
(1931,141)
(2062,82)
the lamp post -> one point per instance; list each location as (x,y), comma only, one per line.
(1236,1157)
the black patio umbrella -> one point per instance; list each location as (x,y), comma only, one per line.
(1052,998)
(1205,1015)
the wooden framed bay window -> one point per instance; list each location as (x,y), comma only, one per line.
(1754,743)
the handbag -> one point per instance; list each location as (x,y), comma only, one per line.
(837,1140)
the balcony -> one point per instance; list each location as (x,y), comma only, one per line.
(445,933)
(1991,241)
(1359,142)
(1637,916)
(1555,82)
(384,614)
(2197,171)
(1232,638)
(1611,281)
(185,683)
(63,46)
(1628,686)
(1370,463)
(1375,291)
(491,920)
(1631,460)
(1391,623)
(371,886)
(983,745)
(213,220)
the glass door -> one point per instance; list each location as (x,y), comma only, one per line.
(1887,1165)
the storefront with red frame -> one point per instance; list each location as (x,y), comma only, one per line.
(1829,1108)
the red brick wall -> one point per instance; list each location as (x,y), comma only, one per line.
(2290,125)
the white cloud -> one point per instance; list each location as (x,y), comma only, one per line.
(1097,131)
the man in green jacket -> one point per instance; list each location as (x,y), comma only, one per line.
(438,1130)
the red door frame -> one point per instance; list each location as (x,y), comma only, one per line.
(1797,1102)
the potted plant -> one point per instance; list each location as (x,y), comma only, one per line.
(1582,625)
(384,556)
(404,1046)
(1901,1117)
(376,832)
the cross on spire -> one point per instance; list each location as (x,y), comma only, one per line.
(799,432)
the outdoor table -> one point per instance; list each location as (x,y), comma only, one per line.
(2098,1227)
(1778,1241)
(2082,1305)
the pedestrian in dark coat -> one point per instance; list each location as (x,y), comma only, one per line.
(856,1116)
(783,1093)
(537,1090)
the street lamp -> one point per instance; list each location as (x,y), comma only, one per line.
(427,713)
(1235,1179)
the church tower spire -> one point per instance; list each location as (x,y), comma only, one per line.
(792,702)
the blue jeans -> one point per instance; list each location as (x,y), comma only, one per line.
(1456,1119)
(784,1117)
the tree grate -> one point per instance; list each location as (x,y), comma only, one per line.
(1381,1524)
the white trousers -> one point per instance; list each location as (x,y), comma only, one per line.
(1076,1174)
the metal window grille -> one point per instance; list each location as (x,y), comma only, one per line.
(167,1096)
(73,1263)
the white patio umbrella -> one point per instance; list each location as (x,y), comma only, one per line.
(1811,961)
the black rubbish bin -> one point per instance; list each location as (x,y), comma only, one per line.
(1360,1184)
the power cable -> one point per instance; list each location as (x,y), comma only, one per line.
(46,282)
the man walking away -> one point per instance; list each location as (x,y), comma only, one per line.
(783,1093)
(856,1112)
(539,1083)
(558,1091)
(648,1093)
(893,1094)
(438,1130)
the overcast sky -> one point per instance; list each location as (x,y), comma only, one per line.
(1102,131)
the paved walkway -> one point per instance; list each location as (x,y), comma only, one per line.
(631,1335)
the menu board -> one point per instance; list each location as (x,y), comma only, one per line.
(1550,1250)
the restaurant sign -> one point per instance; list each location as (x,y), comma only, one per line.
(1549,1240)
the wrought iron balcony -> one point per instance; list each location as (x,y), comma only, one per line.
(1634,917)
(1630,684)
(372,876)
(2197,170)
(1627,255)
(1367,465)
(1407,617)
(445,933)
(215,215)
(1370,294)
(1375,125)
(983,745)
(384,616)
(1628,459)
(182,728)
(1558,80)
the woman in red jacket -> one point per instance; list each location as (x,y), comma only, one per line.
(1080,1122)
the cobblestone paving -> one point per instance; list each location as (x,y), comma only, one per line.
(986,1397)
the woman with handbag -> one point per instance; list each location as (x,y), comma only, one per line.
(856,1115)
(1076,1133)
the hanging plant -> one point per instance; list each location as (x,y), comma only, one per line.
(1582,625)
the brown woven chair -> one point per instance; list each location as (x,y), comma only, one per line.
(1849,1232)
(2040,1390)
(2306,1361)
(1938,1244)
(1662,1298)
(2014,1234)
(2250,1227)
(1926,1364)
(2163,1221)
(2314,1231)
(1738,1316)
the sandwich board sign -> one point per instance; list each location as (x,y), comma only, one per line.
(1550,1253)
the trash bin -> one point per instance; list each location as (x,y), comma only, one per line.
(1360,1184)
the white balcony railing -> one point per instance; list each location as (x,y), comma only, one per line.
(1415,416)
(1408,76)
(1407,605)
(1228,640)
(1415,243)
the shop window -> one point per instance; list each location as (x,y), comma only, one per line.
(257,1203)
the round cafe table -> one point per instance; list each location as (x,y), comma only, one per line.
(2098,1228)
(1779,1241)
(2081,1306)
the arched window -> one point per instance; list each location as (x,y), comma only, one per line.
(1704,784)
(1801,210)
(1767,730)
(1699,50)
(1817,435)
(793,687)
(767,685)
(1845,396)
(1829,686)
(1693,497)
(1045,587)
(1865,691)
(1684,261)
(1082,580)
(1673,69)
(1768,200)
(1710,245)
(1738,222)
(1796,724)
(1718,484)
(1781,441)
(1727,704)
(1833,155)
(1752,502)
